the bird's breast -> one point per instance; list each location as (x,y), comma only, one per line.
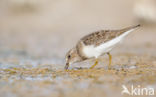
(90,51)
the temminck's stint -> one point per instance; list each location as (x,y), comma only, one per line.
(96,44)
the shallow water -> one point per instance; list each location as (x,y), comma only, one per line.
(34,78)
(35,38)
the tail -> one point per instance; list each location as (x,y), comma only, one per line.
(124,32)
(131,28)
(127,30)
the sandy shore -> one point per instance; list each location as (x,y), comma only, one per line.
(35,40)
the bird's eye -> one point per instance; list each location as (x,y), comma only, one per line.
(69,57)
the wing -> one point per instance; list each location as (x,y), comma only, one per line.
(103,36)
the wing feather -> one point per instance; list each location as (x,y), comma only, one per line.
(103,36)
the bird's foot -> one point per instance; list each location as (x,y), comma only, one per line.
(96,62)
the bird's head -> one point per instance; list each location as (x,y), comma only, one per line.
(72,57)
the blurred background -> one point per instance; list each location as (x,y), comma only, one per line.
(49,28)
(36,34)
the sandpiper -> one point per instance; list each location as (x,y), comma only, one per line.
(97,44)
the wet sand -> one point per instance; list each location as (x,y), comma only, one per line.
(33,46)
(24,79)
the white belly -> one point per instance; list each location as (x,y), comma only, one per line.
(92,51)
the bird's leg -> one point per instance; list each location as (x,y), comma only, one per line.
(96,62)
(110,60)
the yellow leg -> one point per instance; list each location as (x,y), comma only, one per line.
(96,62)
(110,60)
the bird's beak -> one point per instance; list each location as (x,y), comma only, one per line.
(67,65)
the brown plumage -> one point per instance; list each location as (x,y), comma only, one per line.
(87,47)
(98,37)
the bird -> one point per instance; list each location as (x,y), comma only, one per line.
(97,44)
